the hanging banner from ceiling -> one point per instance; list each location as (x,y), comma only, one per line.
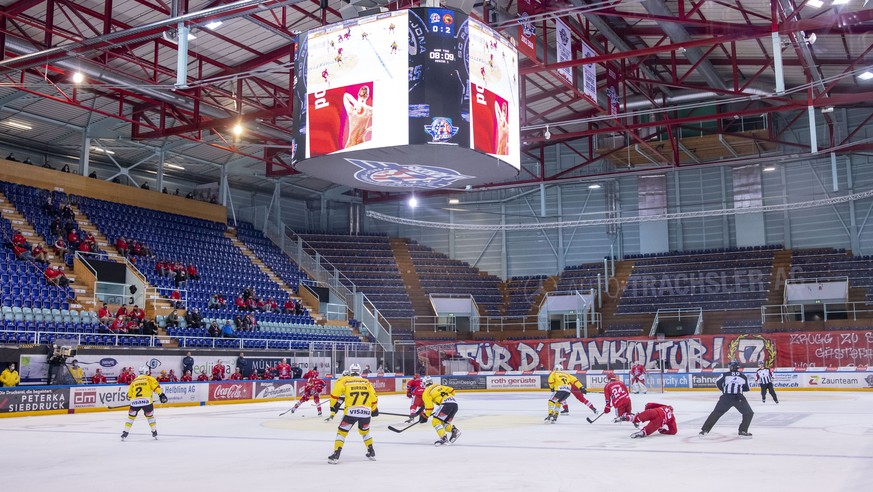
(613,99)
(527,29)
(564,49)
(589,74)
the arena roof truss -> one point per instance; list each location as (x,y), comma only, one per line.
(708,82)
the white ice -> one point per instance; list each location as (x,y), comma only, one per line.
(811,441)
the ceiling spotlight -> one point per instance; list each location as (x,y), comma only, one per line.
(191,37)
(840,2)
(815,3)
(174,166)
(866,75)
(769,169)
(454,201)
(547,134)
(594,186)
(237,129)
(413,202)
(102,150)
(15,124)
(829,109)
(78,78)
(214,25)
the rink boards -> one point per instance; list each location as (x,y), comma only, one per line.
(49,400)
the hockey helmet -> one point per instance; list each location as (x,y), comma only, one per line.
(144,370)
(734,366)
(610,375)
(427,381)
(558,367)
(355,369)
(761,363)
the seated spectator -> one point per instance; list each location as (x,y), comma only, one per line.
(119,325)
(251,304)
(61,247)
(144,250)
(73,239)
(262,306)
(240,303)
(247,294)
(172,320)
(180,278)
(66,168)
(55,276)
(238,322)
(237,375)
(22,253)
(84,247)
(39,254)
(193,274)
(98,378)
(149,328)
(137,313)
(203,376)
(274,307)
(227,330)
(176,299)
(298,307)
(288,307)
(55,228)
(163,377)
(67,212)
(222,303)
(135,248)
(213,301)
(249,322)
(161,268)
(214,330)
(144,186)
(18,239)
(121,246)
(122,311)
(92,242)
(133,326)
(104,314)
(193,318)
(186,378)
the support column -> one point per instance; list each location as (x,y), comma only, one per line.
(813,133)
(854,239)
(562,254)
(85,155)
(278,194)
(159,184)
(504,260)
(777,63)
(222,184)
(451,233)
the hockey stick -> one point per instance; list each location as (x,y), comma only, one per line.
(393,414)
(590,421)
(395,429)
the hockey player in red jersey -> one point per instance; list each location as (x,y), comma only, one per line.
(579,393)
(660,418)
(617,396)
(312,373)
(202,376)
(638,378)
(218,372)
(284,369)
(413,383)
(417,404)
(314,387)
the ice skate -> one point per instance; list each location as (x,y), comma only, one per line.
(155,434)
(371,454)
(334,458)
(455,435)
(124,435)
(703,432)
(441,441)
(744,434)
(638,434)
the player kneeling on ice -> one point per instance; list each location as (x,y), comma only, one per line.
(140,394)
(361,403)
(616,395)
(444,397)
(561,384)
(314,387)
(660,418)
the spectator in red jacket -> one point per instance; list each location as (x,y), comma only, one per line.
(203,376)
(98,378)
(55,276)
(162,268)
(121,246)
(39,254)
(186,378)
(61,247)
(85,247)
(104,314)
(122,311)
(22,253)
(73,239)
(288,307)
(135,248)
(251,305)
(193,274)
(119,325)
(222,303)
(236,376)
(240,303)
(176,299)
(218,371)
(18,239)
(262,306)
(274,306)
(137,313)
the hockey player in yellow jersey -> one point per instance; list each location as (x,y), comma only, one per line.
(140,393)
(438,395)
(345,375)
(561,384)
(361,403)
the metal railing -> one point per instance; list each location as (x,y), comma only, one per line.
(487,324)
(153,295)
(784,313)
(327,274)
(44,337)
(678,314)
(794,281)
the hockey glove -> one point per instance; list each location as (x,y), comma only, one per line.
(163,398)
(375,412)
(422,418)
(583,390)
(607,409)
(334,409)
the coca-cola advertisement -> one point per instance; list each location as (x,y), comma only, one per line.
(230,391)
(268,390)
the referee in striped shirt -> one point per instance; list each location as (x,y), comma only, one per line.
(764,377)
(732,384)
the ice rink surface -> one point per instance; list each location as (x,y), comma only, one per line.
(811,441)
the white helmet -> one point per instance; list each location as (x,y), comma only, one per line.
(427,381)
(144,370)
(558,367)
(355,369)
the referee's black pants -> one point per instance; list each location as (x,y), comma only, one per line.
(725,403)
(765,387)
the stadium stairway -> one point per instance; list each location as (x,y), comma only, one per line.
(248,253)
(781,267)
(160,307)
(84,294)
(617,284)
(417,297)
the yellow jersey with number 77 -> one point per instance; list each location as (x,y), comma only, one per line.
(357,393)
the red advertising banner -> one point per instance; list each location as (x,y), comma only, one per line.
(490,122)
(340,118)
(613,97)
(701,353)
(527,29)
(230,391)
(383,385)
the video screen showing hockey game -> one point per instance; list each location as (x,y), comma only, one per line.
(356,84)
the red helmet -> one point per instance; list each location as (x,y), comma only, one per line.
(610,375)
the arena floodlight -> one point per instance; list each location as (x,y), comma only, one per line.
(413,202)
(78,78)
